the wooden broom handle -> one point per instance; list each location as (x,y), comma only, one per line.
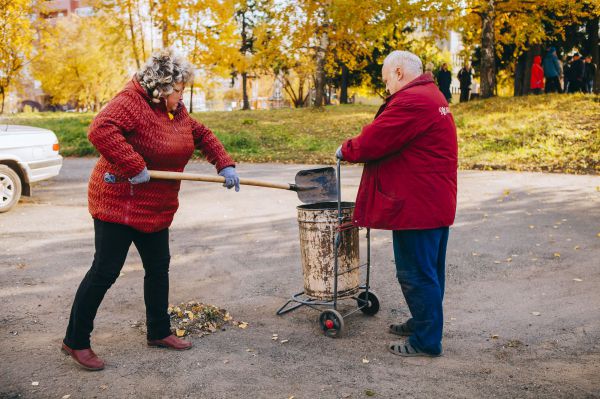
(165,175)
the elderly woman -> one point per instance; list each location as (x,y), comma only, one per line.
(145,126)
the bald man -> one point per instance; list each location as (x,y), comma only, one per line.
(408,186)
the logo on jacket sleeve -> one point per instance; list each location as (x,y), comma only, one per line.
(444,111)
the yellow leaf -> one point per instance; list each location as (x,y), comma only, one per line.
(180,333)
(557,254)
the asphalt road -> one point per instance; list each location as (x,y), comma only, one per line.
(522,306)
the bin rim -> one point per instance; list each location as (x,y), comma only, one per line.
(321,206)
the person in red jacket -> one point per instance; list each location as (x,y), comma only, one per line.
(146,126)
(536,83)
(408,185)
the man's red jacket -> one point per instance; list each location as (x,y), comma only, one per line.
(410,153)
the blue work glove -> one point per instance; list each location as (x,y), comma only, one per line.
(338,153)
(231,178)
(142,177)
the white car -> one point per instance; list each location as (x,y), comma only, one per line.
(27,155)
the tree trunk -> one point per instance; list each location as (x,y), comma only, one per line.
(132,32)
(191,97)
(592,27)
(344,85)
(488,53)
(519,73)
(2,106)
(320,73)
(142,33)
(151,7)
(164,24)
(246,105)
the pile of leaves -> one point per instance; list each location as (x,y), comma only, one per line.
(195,318)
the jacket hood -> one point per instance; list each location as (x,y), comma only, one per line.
(537,59)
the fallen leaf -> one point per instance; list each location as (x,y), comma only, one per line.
(291,397)
(283,341)
(557,254)
(35,383)
(475,254)
(536,313)
(180,333)
(369,392)
(576,247)
(365,360)
(103,386)
(243,325)
(494,336)
(497,262)
(531,226)
(577,279)
(66,397)
(225,361)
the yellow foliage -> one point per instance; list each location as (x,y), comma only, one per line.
(16,33)
(82,60)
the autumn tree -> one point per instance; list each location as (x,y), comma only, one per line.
(16,36)
(517,25)
(82,60)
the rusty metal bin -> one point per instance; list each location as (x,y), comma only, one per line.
(318,226)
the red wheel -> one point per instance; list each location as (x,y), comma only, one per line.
(332,323)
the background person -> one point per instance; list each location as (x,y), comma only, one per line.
(444,80)
(576,83)
(552,70)
(465,78)
(536,83)
(590,74)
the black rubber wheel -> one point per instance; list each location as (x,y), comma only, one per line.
(332,323)
(373,303)
(10,188)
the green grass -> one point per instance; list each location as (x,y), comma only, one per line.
(556,133)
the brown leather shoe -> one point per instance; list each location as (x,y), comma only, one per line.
(171,342)
(85,358)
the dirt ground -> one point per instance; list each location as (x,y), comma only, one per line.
(522,305)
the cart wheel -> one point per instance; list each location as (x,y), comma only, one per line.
(332,323)
(372,307)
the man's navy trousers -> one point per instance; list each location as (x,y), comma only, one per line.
(420,257)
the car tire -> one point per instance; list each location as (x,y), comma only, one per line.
(10,188)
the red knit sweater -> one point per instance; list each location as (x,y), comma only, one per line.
(131,133)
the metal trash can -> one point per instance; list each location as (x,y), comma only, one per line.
(318,225)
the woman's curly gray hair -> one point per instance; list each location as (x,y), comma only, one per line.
(162,71)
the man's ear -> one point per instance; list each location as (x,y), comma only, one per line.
(399,73)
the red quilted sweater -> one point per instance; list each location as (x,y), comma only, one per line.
(131,133)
